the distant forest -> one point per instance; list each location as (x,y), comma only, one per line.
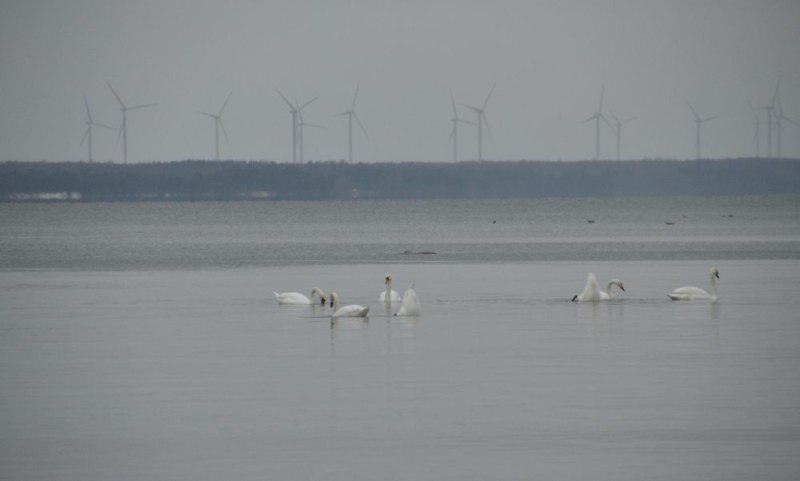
(239,180)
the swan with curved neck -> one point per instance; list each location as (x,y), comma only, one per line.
(295,298)
(411,306)
(591,291)
(692,293)
(389,295)
(350,310)
(606,295)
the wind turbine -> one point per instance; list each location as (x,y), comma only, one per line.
(454,132)
(217,124)
(481,122)
(123,128)
(350,114)
(618,128)
(596,117)
(295,109)
(758,123)
(699,122)
(770,116)
(89,123)
(301,125)
(779,118)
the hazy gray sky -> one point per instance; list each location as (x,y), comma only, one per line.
(548,61)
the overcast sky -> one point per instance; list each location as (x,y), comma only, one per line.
(548,60)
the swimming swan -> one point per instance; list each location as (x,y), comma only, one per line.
(411,306)
(606,295)
(389,295)
(692,293)
(591,292)
(350,310)
(296,298)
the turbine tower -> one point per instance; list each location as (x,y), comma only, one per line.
(295,109)
(89,123)
(597,116)
(618,129)
(454,133)
(217,124)
(350,115)
(123,128)
(699,122)
(481,122)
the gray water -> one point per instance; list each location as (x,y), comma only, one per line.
(142,341)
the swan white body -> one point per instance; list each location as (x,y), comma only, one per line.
(591,292)
(606,295)
(411,306)
(692,293)
(295,298)
(350,310)
(389,295)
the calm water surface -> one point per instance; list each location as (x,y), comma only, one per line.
(142,341)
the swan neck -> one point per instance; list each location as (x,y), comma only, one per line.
(608,290)
(713,286)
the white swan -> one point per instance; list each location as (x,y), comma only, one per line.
(606,295)
(299,299)
(591,292)
(692,293)
(350,310)
(411,306)
(389,295)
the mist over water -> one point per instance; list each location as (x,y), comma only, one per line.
(143,341)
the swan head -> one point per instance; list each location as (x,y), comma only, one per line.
(617,283)
(575,299)
(388,280)
(714,272)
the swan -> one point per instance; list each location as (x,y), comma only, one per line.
(350,310)
(299,299)
(410,305)
(591,292)
(606,295)
(692,293)
(389,295)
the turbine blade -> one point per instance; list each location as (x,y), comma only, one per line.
(452,101)
(121,126)
(140,106)
(602,94)
(103,125)
(486,123)
(476,109)
(629,120)
(292,108)
(206,113)
(342,113)
(615,117)
(353,108)
(306,104)
(85,134)
(594,116)
(115,94)
(710,118)
(464,121)
(88,114)
(361,125)
(775,95)
(485,102)
(314,125)
(606,121)
(693,111)
(225,104)
(223,131)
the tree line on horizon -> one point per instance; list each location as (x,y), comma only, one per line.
(195,180)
